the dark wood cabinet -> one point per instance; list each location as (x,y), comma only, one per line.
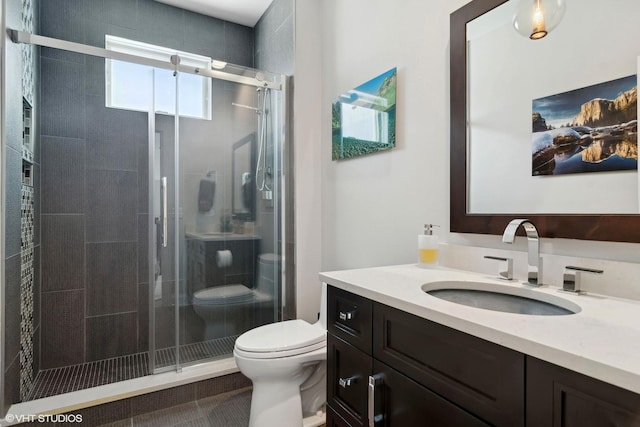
(378,368)
(484,378)
(402,371)
(348,370)
(349,317)
(202,266)
(399,402)
(559,397)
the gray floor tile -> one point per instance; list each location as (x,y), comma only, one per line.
(173,416)
(122,423)
(227,409)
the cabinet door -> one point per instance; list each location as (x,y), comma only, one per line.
(335,420)
(559,397)
(484,378)
(401,402)
(348,370)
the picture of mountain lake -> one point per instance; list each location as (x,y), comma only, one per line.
(364,118)
(593,129)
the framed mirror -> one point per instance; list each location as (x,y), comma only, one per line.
(243,163)
(491,101)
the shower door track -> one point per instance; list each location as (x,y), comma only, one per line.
(33,39)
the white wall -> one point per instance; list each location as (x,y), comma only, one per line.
(374,207)
(307,154)
(368,211)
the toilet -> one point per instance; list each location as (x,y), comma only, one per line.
(230,310)
(286,362)
(226,310)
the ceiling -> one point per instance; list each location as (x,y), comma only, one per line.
(245,12)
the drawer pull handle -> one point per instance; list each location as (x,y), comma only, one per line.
(374,382)
(346,382)
(347,315)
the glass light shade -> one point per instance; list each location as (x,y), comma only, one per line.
(536,18)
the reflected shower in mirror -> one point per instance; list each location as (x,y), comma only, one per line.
(242,178)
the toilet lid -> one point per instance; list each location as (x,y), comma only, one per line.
(282,337)
(223,295)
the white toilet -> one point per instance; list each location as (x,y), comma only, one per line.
(286,362)
(229,310)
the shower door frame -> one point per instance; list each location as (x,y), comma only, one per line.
(285,224)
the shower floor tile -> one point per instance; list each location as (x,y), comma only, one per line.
(51,382)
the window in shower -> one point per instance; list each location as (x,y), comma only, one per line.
(127,83)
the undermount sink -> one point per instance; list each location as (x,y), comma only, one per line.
(505,298)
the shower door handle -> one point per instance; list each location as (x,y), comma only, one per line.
(163,202)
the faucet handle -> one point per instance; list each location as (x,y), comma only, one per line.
(506,274)
(571,277)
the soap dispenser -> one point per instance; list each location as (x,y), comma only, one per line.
(428,246)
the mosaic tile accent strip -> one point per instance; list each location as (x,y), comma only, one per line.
(51,382)
(26,293)
(28,53)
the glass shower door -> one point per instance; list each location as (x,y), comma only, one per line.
(164,238)
(165,276)
(230,221)
(177,96)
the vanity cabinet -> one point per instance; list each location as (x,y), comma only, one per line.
(562,398)
(386,367)
(390,368)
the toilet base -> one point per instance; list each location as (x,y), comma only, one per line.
(271,401)
(317,420)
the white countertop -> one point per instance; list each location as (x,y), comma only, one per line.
(601,341)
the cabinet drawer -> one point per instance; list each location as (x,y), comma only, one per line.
(482,377)
(349,317)
(347,376)
(401,402)
(559,397)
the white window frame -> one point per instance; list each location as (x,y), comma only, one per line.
(146,50)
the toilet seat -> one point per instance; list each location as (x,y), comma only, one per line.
(282,339)
(222,295)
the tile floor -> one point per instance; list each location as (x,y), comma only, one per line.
(223,410)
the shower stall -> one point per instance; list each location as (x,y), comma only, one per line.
(143,194)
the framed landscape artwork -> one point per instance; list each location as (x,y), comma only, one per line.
(592,129)
(364,118)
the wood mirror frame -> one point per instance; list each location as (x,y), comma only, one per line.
(605,227)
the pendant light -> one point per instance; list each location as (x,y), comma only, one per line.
(536,18)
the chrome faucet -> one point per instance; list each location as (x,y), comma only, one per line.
(534,271)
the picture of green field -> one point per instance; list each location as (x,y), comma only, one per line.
(364,118)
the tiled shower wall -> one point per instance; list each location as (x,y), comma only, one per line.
(274,41)
(94,175)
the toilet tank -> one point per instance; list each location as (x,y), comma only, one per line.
(269,268)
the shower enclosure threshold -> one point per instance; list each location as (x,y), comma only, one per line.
(51,382)
(77,400)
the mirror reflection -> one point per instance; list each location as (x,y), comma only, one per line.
(243,184)
(516,84)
